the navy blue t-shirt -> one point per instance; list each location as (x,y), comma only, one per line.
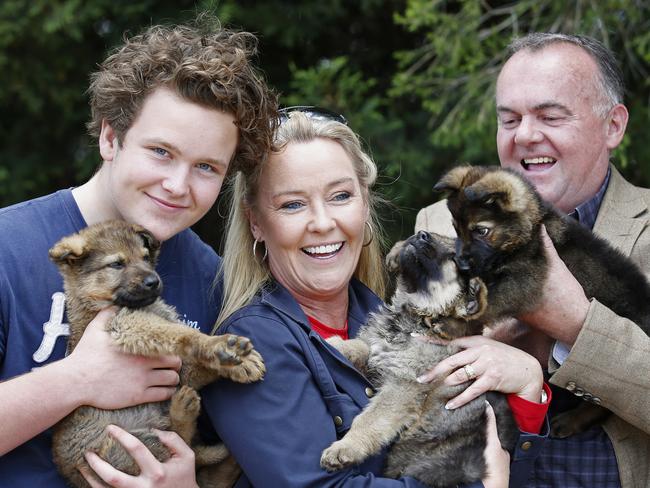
(31,294)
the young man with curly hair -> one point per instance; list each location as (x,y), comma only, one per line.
(174,109)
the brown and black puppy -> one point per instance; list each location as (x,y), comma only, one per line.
(439,447)
(498,215)
(113,263)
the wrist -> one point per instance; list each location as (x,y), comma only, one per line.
(532,391)
(64,382)
(74,380)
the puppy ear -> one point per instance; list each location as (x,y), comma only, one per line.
(392,258)
(453,179)
(150,242)
(69,250)
(504,188)
(479,194)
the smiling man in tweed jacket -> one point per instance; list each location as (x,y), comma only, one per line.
(560,113)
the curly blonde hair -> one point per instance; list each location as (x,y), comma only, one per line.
(203,63)
(243,273)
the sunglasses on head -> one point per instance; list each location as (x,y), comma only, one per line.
(312,112)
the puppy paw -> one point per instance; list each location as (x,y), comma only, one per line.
(185,404)
(249,370)
(477,298)
(233,357)
(340,455)
(564,425)
(224,350)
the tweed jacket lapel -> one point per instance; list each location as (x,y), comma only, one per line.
(619,217)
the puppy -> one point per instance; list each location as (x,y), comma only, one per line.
(439,447)
(113,263)
(497,215)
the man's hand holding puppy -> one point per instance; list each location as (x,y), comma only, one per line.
(101,368)
(564,305)
(501,367)
(151,379)
(174,472)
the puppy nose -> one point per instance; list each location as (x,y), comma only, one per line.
(462,262)
(151,281)
(424,236)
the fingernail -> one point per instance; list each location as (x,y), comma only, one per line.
(450,406)
(416,334)
(421,379)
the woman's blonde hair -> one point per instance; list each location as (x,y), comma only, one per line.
(244,273)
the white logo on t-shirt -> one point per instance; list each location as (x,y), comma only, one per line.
(194,324)
(52,329)
(55,327)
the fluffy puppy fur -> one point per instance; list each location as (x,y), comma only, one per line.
(497,215)
(439,447)
(113,263)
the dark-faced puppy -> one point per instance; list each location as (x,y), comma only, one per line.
(113,263)
(439,447)
(497,215)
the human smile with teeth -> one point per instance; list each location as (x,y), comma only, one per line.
(310,214)
(324,250)
(538,163)
(549,127)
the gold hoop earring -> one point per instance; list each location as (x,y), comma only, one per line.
(372,234)
(266,253)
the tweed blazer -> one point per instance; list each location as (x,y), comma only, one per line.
(610,359)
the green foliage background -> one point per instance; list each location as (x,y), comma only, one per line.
(414,77)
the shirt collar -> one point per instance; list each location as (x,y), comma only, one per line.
(361,301)
(586,212)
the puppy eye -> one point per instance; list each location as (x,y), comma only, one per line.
(116,265)
(481,231)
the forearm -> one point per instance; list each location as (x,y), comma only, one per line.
(610,357)
(35,401)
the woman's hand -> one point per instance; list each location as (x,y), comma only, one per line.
(497,459)
(494,366)
(178,471)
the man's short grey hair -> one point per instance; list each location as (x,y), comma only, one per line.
(610,75)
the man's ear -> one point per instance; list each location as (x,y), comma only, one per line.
(108,143)
(616,124)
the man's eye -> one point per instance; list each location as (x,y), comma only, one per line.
(550,118)
(160,151)
(205,167)
(509,121)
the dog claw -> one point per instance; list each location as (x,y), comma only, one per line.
(227,358)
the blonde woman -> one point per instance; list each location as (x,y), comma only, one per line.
(302,257)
